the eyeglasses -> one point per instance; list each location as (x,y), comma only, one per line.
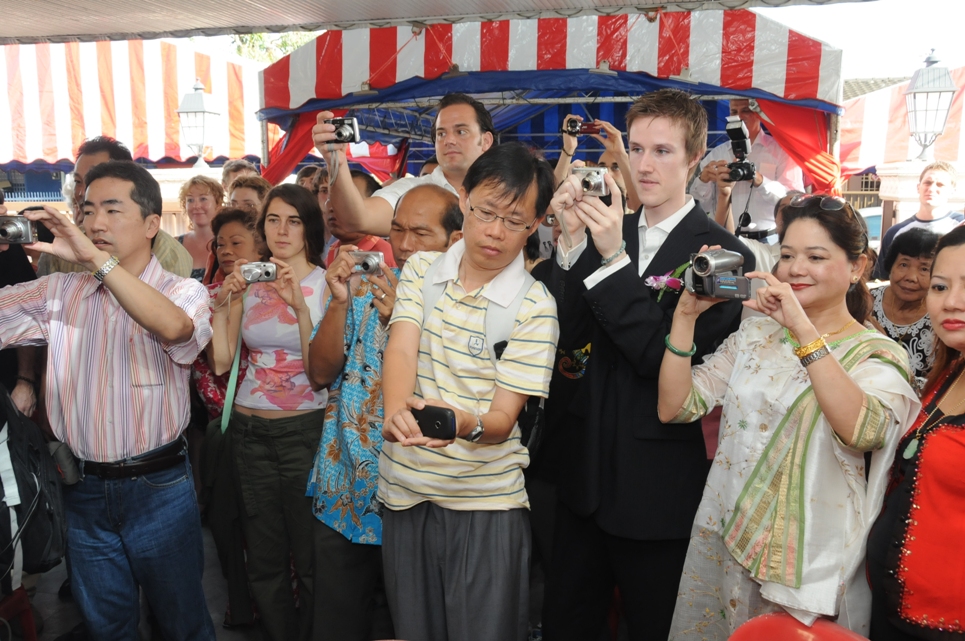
(827,203)
(511,224)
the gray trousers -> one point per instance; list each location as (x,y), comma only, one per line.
(457,576)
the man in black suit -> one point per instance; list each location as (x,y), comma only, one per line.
(632,484)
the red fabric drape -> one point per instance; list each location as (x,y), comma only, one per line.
(803,134)
(291,149)
(380,163)
(297,143)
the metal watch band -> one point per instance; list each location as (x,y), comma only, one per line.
(105,269)
(817,354)
(477,433)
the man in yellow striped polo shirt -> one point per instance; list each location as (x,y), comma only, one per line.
(456,540)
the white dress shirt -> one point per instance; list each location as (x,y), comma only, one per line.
(779,172)
(651,240)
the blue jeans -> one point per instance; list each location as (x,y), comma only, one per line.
(138,532)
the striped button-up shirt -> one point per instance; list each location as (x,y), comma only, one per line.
(114,390)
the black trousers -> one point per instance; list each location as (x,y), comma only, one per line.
(588,563)
(350,603)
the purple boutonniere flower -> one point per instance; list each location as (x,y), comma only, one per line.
(670,280)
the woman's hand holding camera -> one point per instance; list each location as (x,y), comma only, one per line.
(288,286)
(777,300)
(233,285)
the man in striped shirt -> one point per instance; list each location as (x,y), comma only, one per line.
(121,339)
(456,541)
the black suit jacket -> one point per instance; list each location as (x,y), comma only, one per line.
(637,477)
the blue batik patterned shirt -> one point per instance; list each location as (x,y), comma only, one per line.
(344,478)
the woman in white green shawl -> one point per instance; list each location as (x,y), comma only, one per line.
(806,391)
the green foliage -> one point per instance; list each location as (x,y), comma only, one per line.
(269,47)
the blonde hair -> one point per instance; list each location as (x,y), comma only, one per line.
(940,165)
(210,184)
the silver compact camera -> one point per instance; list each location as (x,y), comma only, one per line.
(17,230)
(259,272)
(346,129)
(592,181)
(369,263)
(717,273)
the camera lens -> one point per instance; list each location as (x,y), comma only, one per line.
(11,231)
(369,265)
(344,133)
(703,266)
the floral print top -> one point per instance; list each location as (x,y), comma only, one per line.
(344,480)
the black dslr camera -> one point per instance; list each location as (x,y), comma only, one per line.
(717,273)
(740,143)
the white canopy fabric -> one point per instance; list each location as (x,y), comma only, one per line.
(58,21)
(59,94)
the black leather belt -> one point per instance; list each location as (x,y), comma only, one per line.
(162,458)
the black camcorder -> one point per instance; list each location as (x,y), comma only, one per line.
(717,273)
(740,143)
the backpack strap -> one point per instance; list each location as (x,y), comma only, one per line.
(431,292)
(229,400)
(501,321)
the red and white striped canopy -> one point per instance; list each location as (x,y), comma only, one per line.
(874,129)
(59,94)
(735,49)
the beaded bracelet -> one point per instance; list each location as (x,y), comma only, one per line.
(607,261)
(679,352)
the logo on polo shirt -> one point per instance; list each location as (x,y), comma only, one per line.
(475,345)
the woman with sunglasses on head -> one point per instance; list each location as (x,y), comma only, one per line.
(915,562)
(898,310)
(276,420)
(806,391)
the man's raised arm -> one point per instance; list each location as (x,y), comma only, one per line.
(355,212)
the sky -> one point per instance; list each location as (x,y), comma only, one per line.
(882,38)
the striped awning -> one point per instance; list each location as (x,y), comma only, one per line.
(57,95)
(874,129)
(736,49)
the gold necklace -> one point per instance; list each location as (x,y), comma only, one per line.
(912,446)
(823,336)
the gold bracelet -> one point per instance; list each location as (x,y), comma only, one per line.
(811,347)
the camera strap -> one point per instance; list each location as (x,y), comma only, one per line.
(229,399)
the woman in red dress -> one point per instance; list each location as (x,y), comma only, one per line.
(915,562)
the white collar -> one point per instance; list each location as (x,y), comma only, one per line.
(668,223)
(501,290)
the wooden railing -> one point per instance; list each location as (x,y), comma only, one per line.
(862,199)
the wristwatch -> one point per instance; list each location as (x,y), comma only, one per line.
(476,433)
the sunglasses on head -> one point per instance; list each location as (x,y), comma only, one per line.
(827,203)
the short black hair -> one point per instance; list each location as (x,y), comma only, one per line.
(145,190)
(432,160)
(371,184)
(914,243)
(531,250)
(306,204)
(99,144)
(483,118)
(452,219)
(513,168)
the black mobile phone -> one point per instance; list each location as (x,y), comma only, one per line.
(436,422)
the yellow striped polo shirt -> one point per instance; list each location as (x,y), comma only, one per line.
(454,367)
